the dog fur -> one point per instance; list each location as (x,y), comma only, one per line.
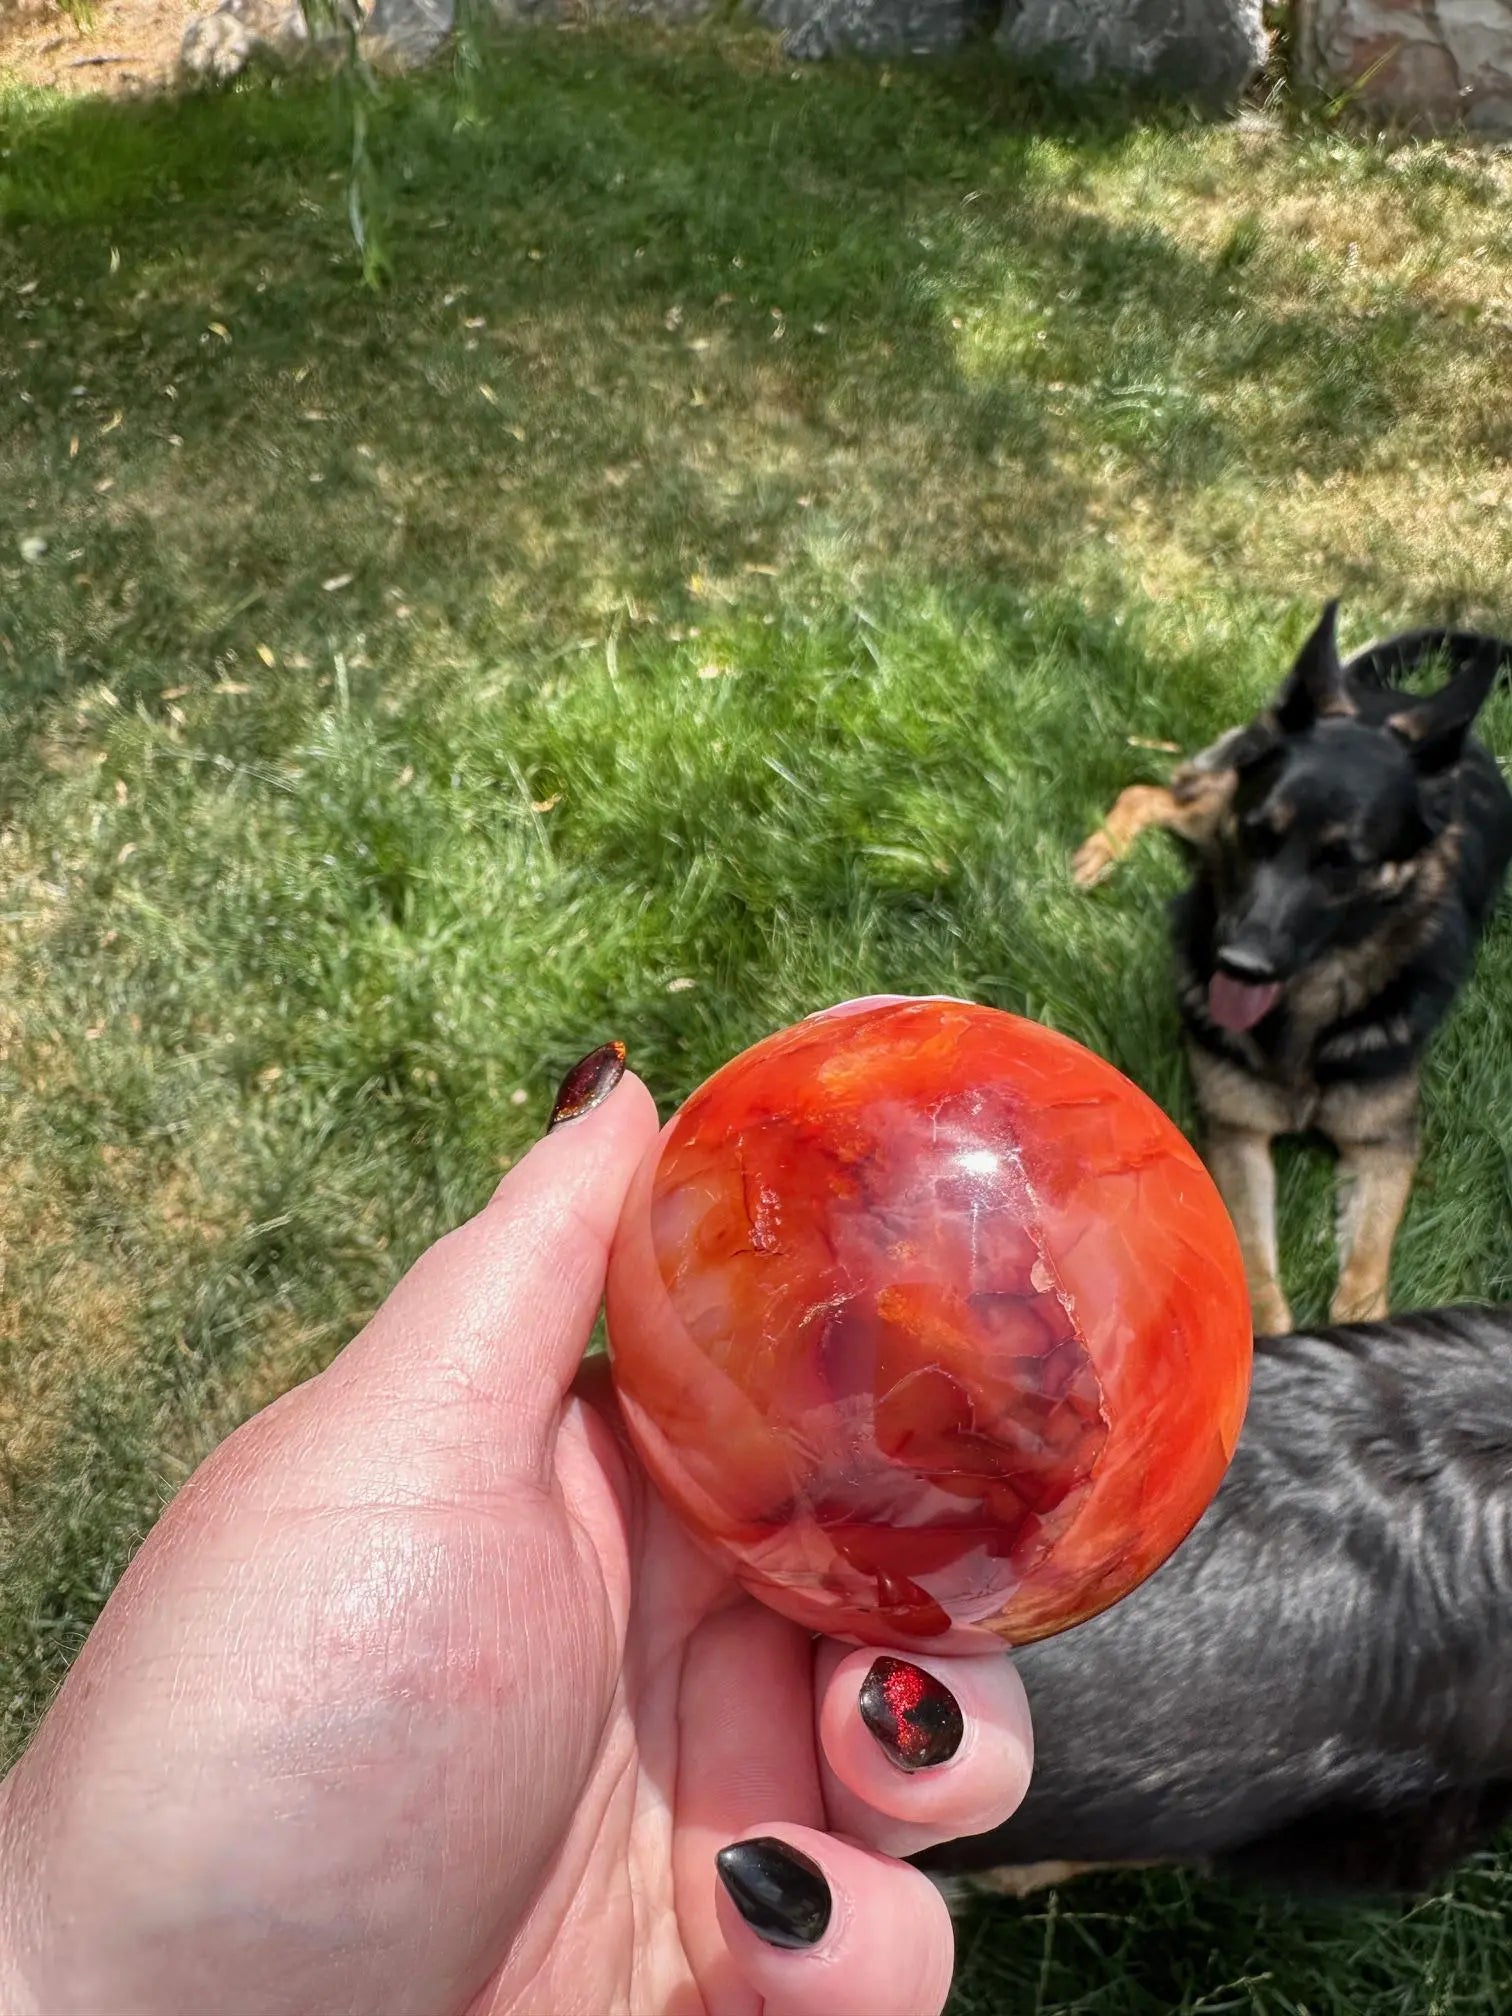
(1313,1691)
(1347,849)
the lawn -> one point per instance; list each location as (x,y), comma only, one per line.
(763,518)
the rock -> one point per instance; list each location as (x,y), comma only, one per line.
(217,46)
(522,11)
(660,10)
(407,33)
(1206,50)
(1431,63)
(812,29)
(400,34)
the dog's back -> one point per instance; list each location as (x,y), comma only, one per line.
(1316,1687)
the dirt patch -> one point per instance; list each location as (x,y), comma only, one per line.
(113,48)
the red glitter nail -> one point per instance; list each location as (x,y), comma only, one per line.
(588,1084)
(915,1718)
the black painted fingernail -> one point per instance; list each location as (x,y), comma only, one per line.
(588,1084)
(915,1718)
(781,1895)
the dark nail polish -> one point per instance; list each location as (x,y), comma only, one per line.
(915,1718)
(588,1084)
(781,1894)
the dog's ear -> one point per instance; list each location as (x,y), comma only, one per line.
(1435,728)
(1316,685)
(1248,746)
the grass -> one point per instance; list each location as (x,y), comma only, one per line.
(719,574)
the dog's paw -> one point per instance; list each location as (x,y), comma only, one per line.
(1017,1880)
(1095,860)
(1358,1302)
(1271,1310)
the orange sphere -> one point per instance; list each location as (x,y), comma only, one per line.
(930,1325)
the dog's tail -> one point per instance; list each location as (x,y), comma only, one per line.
(1385,665)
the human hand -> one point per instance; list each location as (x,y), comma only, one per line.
(416,1703)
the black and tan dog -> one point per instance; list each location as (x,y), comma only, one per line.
(1347,846)
(1313,1689)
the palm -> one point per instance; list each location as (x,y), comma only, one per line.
(626,1918)
(423,1674)
(415,1702)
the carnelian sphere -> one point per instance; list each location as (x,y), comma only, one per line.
(930,1325)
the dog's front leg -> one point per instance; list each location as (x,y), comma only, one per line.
(1240,1159)
(1375,1181)
(1374,1126)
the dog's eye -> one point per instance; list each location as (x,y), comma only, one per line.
(1260,836)
(1339,854)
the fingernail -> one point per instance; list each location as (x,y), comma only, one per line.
(588,1084)
(915,1718)
(781,1894)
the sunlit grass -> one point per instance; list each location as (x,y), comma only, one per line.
(721,573)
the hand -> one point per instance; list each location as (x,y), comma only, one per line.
(415,1703)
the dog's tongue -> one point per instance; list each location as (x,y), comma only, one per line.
(1233,1005)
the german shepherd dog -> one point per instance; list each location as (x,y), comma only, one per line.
(1313,1690)
(1347,848)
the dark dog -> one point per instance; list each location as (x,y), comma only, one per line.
(1347,847)
(1314,1688)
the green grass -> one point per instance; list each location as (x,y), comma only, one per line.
(718,575)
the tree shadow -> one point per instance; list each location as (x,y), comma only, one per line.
(663,310)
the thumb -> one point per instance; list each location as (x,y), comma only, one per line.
(492,1322)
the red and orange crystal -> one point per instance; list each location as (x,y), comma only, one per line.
(930,1325)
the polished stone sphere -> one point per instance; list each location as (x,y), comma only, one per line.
(930,1325)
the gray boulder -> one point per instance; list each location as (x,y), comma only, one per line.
(399,34)
(218,45)
(812,29)
(1207,50)
(406,33)
(1428,63)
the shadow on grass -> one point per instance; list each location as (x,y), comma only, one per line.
(663,313)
